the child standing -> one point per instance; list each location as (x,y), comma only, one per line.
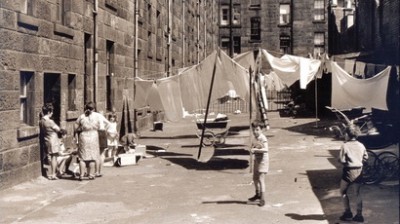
(112,135)
(261,163)
(49,130)
(352,155)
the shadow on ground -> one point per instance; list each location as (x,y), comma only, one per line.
(325,185)
(226,202)
(306,217)
(318,129)
(216,161)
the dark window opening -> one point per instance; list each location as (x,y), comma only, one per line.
(109,75)
(27,88)
(72,92)
(255,33)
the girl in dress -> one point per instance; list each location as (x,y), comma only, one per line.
(49,130)
(112,135)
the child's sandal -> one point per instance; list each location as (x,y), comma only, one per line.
(52,178)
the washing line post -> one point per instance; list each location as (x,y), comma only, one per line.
(208,105)
(316,102)
(250,118)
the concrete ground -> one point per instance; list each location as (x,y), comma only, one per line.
(171,186)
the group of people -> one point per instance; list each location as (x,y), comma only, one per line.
(89,152)
(91,155)
(352,156)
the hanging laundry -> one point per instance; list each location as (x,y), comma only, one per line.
(349,92)
(359,70)
(349,66)
(246,60)
(191,90)
(292,68)
(142,90)
(234,73)
(170,95)
(370,70)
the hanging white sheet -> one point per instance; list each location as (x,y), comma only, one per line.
(349,92)
(170,95)
(234,73)
(246,60)
(292,68)
(143,88)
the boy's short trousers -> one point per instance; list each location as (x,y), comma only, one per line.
(351,174)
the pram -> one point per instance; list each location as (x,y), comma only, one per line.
(216,129)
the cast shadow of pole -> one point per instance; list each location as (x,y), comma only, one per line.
(226,202)
(306,217)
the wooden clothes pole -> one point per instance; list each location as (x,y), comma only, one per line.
(208,106)
(316,102)
(250,118)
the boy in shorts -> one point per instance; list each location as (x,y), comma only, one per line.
(352,155)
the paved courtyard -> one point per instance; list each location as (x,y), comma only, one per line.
(171,186)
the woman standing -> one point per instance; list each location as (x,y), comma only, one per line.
(87,126)
(49,130)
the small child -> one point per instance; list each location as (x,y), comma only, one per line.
(128,141)
(260,164)
(352,155)
(64,157)
(112,135)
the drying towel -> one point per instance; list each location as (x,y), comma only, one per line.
(360,69)
(292,68)
(349,92)
(349,66)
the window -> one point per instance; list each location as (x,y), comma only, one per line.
(30,7)
(60,11)
(255,3)
(319,43)
(149,12)
(255,26)
(109,75)
(224,15)
(284,43)
(149,45)
(319,10)
(88,66)
(236,15)
(236,45)
(71,92)
(26,97)
(225,44)
(284,14)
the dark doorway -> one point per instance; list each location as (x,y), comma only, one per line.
(52,93)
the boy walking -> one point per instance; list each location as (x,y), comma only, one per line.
(261,163)
(352,155)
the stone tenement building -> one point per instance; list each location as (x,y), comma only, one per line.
(72,52)
(366,30)
(279,26)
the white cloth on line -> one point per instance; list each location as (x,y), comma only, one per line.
(292,68)
(349,92)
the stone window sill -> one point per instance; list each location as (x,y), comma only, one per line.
(27,131)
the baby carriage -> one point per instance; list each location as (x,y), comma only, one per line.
(216,129)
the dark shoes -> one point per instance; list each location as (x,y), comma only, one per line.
(347,216)
(254,198)
(261,203)
(358,218)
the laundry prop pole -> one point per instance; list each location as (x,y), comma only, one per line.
(250,118)
(208,106)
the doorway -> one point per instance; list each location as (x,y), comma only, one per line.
(52,94)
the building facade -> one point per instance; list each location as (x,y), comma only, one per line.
(72,52)
(367,30)
(279,26)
